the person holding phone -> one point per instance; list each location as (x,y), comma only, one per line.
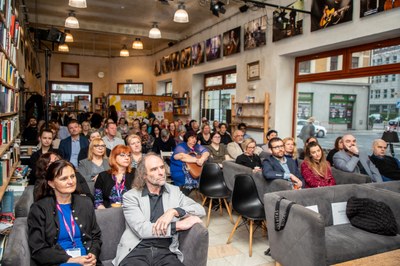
(351,160)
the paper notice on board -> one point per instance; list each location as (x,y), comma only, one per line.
(339,213)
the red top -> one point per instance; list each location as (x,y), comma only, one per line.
(314,180)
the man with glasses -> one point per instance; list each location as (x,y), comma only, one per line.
(235,148)
(351,160)
(388,166)
(280,167)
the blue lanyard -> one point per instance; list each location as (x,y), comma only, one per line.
(70,232)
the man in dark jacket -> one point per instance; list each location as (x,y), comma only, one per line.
(388,166)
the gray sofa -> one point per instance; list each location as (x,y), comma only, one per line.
(393,186)
(193,243)
(311,239)
(231,169)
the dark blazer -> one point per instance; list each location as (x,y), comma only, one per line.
(66,146)
(32,164)
(44,225)
(272,169)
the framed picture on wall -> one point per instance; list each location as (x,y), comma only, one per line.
(69,70)
(253,71)
(130,88)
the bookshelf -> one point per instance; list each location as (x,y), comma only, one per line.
(254,114)
(9,93)
(182,105)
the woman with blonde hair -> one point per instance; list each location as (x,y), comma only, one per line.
(135,144)
(291,149)
(315,170)
(248,157)
(111,185)
(96,162)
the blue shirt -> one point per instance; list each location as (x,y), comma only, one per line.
(177,174)
(75,148)
(63,238)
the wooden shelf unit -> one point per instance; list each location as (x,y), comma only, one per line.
(181,105)
(254,114)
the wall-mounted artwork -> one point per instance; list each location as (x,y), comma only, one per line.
(255,33)
(213,48)
(165,66)
(369,7)
(288,23)
(157,67)
(231,41)
(186,57)
(130,88)
(198,53)
(174,61)
(68,70)
(327,13)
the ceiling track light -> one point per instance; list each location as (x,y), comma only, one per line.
(63,48)
(124,51)
(71,21)
(217,7)
(77,3)
(137,44)
(181,15)
(155,32)
(68,36)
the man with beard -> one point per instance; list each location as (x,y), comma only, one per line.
(235,148)
(351,160)
(277,166)
(154,212)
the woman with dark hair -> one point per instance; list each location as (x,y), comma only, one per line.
(147,139)
(187,152)
(338,147)
(43,163)
(218,152)
(308,141)
(315,170)
(112,113)
(62,225)
(111,185)
(155,131)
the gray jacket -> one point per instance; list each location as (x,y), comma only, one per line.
(87,168)
(343,161)
(137,218)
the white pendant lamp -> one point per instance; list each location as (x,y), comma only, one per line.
(137,44)
(63,48)
(181,16)
(155,32)
(72,22)
(124,51)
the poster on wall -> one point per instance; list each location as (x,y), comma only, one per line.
(198,53)
(255,33)
(174,61)
(341,108)
(370,7)
(213,48)
(327,13)
(304,106)
(186,57)
(288,23)
(165,66)
(231,41)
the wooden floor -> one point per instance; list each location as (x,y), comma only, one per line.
(390,258)
(237,252)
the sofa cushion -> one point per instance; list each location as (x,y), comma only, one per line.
(112,224)
(347,242)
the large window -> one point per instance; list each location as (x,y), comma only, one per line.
(72,97)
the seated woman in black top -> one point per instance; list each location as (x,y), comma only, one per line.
(338,147)
(62,225)
(248,158)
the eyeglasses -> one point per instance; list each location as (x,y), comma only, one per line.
(251,147)
(125,155)
(99,146)
(278,147)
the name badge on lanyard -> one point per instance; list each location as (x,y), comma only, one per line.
(73,252)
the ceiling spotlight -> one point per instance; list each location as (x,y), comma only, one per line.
(217,7)
(68,36)
(63,48)
(137,44)
(155,32)
(72,21)
(181,16)
(124,51)
(244,8)
(77,3)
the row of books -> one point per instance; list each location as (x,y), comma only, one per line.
(9,100)
(6,165)
(9,129)
(8,72)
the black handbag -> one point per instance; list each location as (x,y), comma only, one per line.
(279,225)
(372,216)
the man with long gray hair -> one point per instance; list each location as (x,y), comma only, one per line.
(154,212)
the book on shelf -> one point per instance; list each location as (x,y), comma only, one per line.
(9,129)
(7,202)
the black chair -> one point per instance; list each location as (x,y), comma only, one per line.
(247,204)
(212,186)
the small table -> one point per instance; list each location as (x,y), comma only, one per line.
(390,258)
